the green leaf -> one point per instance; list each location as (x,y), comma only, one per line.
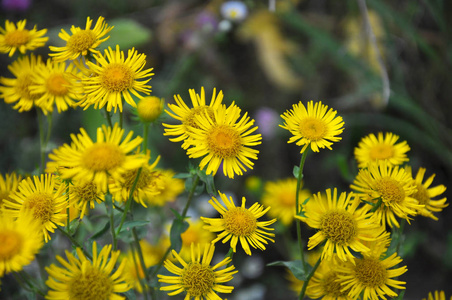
(127,33)
(296,172)
(130,294)
(101,232)
(131,224)
(182,175)
(177,228)
(208,181)
(295,266)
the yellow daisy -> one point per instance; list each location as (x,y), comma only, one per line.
(240,223)
(436,295)
(224,139)
(186,115)
(150,108)
(43,198)
(340,222)
(8,185)
(81,279)
(380,147)
(82,41)
(56,83)
(169,187)
(195,234)
(17,90)
(197,278)
(315,125)
(20,240)
(84,194)
(389,190)
(97,161)
(14,37)
(280,195)
(113,79)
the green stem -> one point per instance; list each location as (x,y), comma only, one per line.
(42,145)
(230,254)
(129,202)
(297,207)
(311,273)
(108,117)
(142,281)
(25,282)
(400,232)
(49,129)
(145,136)
(74,242)
(121,119)
(112,225)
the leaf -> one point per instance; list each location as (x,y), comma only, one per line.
(101,232)
(209,182)
(296,172)
(131,224)
(295,266)
(127,33)
(177,228)
(182,175)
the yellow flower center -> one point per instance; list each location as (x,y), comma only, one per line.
(370,272)
(287,199)
(224,141)
(81,41)
(41,204)
(57,85)
(117,78)
(23,83)
(90,284)
(197,279)
(190,119)
(421,195)
(146,177)
(390,190)
(239,221)
(85,192)
(312,129)
(338,226)
(17,38)
(333,288)
(11,243)
(103,157)
(381,151)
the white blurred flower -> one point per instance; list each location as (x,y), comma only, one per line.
(235,11)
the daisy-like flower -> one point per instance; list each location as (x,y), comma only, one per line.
(108,156)
(82,279)
(82,41)
(280,195)
(168,186)
(186,115)
(8,185)
(425,194)
(113,78)
(234,10)
(372,148)
(84,194)
(224,139)
(17,90)
(388,190)
(43,198)
(14,37)
(315,125)
(195,234)
(197,278)
(20,240)
(56,83)
(371,276)
(436,295)
(340,222)
(240,223)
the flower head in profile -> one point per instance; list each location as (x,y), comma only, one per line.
(340,223)
(114,78)
(314,126)
(79,278)
(225,138)
(82,42)
(196,277)
(8,185)
(381,147)
(389,190)
(168,186)
(436,295)
(84,195)
(20,240)
(15,37)
(238,223)
(109,156)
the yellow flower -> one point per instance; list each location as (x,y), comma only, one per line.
(18,89)
(372,148)
(197,278)
(224,139)
(14,37)
(280,195)
(84,194)
(186,115)
(8,185)
(340,222)
(436,295)
(168,186)
(81,279)
(82,41)
(389,189)
(46,202)
(20,240)
(315,125)
(195,234)
(113,78)
(97,161)
(240,223)
(150,108)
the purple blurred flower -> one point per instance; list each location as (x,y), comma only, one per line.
(207,21)
(267,120)
(16,5)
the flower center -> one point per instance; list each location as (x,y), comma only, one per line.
(370,272)
(17,38)
(57,85)
(390,190)
(287,199)
(239,221)
(85,192)
(81,41)
(90,284)
(117,78)
(41,205)
(332,287)
(421,195)
(102,157)
(23,82)
(312,129)
(197,279)
(338,226)
(224,141)
(11,243)
(382,151)
(190,119)
(145,179)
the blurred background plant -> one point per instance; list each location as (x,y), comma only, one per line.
(266,56)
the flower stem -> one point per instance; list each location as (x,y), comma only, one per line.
(24,280)
(145,136)
(297,206)
(42,145)
(311,273)
(112,224)
(230,255)
(143,281)
(74,242)
(129,202)
(108,117)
